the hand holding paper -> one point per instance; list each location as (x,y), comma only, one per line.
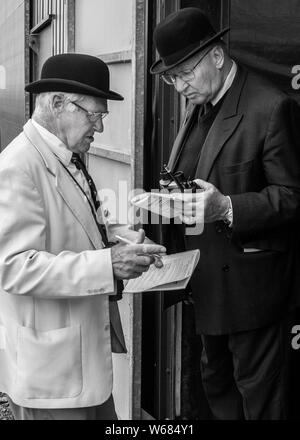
(158,263)
(159,203)
(130,261)
(175,274)
(188,206)
(207,205)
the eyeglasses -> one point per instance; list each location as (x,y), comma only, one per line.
(186,76)
(93,116)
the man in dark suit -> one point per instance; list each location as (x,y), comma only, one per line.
(240,141)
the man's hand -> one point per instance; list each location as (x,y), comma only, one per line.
(130,261)
(136,237)
(207,205)
(140,237)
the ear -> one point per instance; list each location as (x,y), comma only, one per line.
(57,104)
(218,56)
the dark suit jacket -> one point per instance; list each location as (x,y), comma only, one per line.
(252,154)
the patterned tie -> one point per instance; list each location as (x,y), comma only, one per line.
(81,166)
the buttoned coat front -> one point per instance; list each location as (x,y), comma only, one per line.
(55,281)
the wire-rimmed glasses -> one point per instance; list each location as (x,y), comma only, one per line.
(93,116)
(185,76)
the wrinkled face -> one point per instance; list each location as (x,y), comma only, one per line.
(75,126)
(207,78)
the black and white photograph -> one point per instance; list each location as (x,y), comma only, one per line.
(150,213)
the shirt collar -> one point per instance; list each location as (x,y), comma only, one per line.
(227,84)
(55,144)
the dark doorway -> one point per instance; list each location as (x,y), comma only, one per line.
(264,38)
(170,354)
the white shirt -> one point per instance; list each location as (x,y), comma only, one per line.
(227,84)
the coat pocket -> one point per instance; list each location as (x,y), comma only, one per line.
(49,363)
(241,167)
(277,244)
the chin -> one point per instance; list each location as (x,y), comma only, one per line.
(85,147)
(197,100)
(85,150)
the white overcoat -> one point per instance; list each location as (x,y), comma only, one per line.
(55,281)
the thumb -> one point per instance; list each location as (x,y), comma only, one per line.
(187,220)
(141,237)
(203,184)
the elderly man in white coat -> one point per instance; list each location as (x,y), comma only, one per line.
(57,268)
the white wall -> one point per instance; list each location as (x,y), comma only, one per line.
(108,26)
(118,130)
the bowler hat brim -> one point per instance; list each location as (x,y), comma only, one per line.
(160,67)
(69,86)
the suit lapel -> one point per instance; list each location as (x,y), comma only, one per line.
(179,142)
(65,185)
(223,127)
(81,209)
(219,133)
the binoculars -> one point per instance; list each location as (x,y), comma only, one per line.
(171,181)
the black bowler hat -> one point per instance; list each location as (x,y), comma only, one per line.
(75,73)
(180,36)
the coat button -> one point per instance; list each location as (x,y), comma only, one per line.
(226,268)
(219,229)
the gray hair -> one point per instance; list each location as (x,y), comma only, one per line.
(43,100)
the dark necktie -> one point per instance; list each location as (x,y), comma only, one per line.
(81,166)
(205,109)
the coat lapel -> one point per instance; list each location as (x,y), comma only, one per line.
(179,142)
(81,209)
(65,185)
(223,127)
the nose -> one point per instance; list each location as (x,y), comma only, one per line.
(98,125)
(180,84)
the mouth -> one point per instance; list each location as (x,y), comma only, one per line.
(191,95)
(90,138)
